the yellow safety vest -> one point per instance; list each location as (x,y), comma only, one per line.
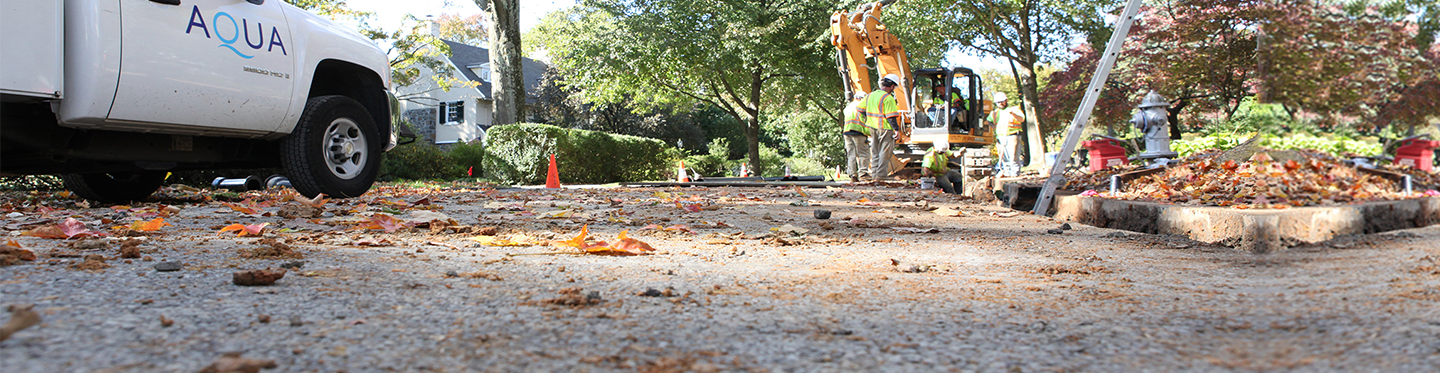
(1009,119)
(855,118)
(880,105)
(936,161)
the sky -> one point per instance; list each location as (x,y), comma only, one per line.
(388,14)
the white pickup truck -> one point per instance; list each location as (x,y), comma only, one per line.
(112,94)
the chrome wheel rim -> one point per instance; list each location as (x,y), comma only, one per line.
(345,148)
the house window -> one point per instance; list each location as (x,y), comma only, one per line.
(484,72)
(452,112)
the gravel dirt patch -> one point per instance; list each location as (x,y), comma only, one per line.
(741,279)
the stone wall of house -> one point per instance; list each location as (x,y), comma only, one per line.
(422,121)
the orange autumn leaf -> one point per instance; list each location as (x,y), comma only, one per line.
(149,226)
(1230,165)
(382,221)
(578,241)
(240,209)
(624,245)
(245,230)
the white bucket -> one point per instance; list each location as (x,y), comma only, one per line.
(927,183)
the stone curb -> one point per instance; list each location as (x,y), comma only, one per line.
(1257,231)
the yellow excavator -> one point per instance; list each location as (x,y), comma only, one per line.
(936,104)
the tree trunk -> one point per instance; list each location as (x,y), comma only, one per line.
(507,76)
(1029,90)
(752,138)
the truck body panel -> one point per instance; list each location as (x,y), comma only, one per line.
(43,75)
(317,40)
(233,70)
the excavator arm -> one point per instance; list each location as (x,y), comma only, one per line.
(859,36)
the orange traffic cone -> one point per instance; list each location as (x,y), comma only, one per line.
(743,171)
(838,174)
(680,175)
(552,180)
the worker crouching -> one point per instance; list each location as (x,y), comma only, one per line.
(937,163)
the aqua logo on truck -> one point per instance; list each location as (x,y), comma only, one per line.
(220,19)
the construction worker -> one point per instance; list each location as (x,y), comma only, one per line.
(857,147)
(937,163)
(882,117)
(1008,121)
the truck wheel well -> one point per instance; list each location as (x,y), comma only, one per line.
(335,77)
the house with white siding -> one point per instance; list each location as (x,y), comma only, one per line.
(462,113)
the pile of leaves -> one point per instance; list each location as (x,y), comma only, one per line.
(1261,182)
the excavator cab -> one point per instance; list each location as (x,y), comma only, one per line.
(950,107)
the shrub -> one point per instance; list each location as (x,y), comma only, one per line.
(417,161)
(463,156)
(1338,146)
(715,162)
(519,154)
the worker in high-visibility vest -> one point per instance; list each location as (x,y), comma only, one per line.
(882,117)
(1008,121)
(857,136)
(936,163)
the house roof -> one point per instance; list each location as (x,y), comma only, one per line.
(465,57)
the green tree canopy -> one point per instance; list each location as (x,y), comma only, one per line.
(739,56)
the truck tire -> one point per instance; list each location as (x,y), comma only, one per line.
(335,149)
(117,187)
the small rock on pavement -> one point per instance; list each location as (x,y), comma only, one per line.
(295,265)
(168,266)
(822,214)
(257,277)
(1066,226)
(231,362)
(295,320)
(1056,231)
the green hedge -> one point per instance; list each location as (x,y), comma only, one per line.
(1337,146)
(519,154)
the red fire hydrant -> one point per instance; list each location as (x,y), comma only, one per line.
(1105,153)
(1417,153)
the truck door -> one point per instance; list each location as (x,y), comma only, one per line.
(222,64)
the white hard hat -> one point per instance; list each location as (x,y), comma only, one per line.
(941,145)
(891,77)
(1000,96)
(859,95)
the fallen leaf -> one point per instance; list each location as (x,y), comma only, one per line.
(916,230)
(68,229)
(245,230)
(557,214)
(791,229)
(946,211)
(496,241)
(383,221)
(624,246)
(149,226)
(241,209)
(21,317)
(579,240)
(231,362)
(372,242)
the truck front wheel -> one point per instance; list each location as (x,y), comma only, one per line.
(114,187)
(335,149)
